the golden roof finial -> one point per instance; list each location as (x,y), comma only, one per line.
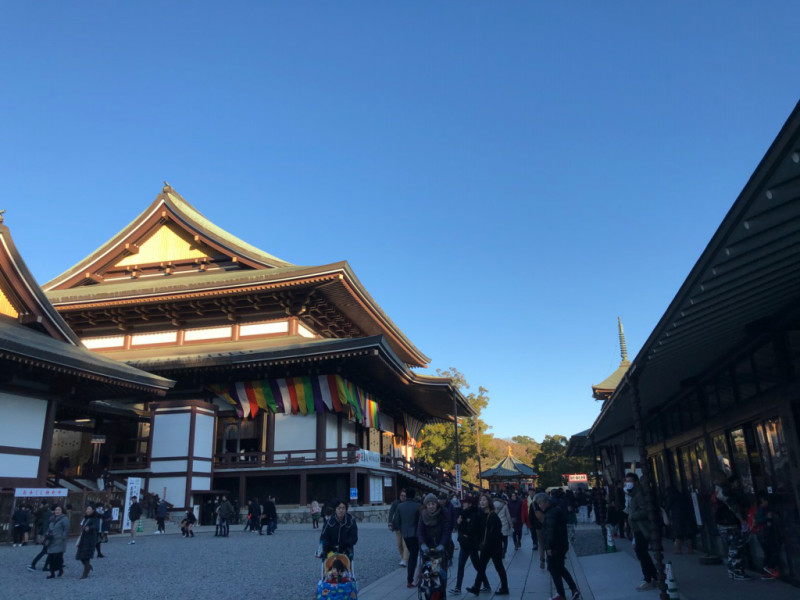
(509,449)
(623,349)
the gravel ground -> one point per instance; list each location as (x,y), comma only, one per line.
(244,565)
(589,539)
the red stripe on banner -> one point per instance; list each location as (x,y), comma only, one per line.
(292,395)
(334,388)
(251,396)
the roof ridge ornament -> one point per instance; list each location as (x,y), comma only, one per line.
(623,348)
(2,218)
(167,188)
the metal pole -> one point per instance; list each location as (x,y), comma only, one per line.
(478,445)
(458,448)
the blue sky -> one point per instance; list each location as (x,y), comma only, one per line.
(504,177)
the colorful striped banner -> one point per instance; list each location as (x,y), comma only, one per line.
(300,395)
(413,427)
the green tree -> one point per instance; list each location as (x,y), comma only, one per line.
(527,448)
(552,461)
(437,441)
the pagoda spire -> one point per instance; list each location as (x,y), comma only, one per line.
(623,349)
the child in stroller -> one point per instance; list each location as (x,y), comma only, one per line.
(337,581)
(433,578)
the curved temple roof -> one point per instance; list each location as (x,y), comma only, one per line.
(253,267)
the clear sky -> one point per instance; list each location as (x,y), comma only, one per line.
(505,178)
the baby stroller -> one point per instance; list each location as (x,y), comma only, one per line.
(433,579)
(337,581)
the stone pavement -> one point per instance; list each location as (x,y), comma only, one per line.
(599,576)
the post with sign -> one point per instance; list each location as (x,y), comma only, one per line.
(458,480)
(133,490)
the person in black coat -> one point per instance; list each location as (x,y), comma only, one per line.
(340,532)
(469,530)
(270,515)
(491,548)
(90,526)
(556,544)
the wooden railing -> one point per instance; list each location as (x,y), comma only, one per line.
(127,462)
(224,461)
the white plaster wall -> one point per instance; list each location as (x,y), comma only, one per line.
(348,433)
(169,466)
(16,465)
(176,488)
(331,430)
(171,435)
(204,435)
(22,423)
(295,432)
(201,483)
(202,466)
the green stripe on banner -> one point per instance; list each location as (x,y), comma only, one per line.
(306,382)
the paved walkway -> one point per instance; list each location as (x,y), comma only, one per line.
(600,577)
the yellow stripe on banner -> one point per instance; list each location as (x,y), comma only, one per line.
(258,392)
(301,395)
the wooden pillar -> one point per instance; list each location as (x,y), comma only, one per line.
(270,438)
(47,443)
(303,488)
(339,437)
(242,492)
(321,438)
(367,496)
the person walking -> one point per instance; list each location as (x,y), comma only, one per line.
(536,518)
(433,531)
(468,524)
(90,526)
(682,523)
(490,548)
(20,523)
(134,514)
(407,517)
(316,513)
(556,544)
(639,520)
(57,532)
(225,513)
(100,514)
(763,526)
(729,513)
(255,516)
(271,512)
(501,508)
(394,526)
(340,532)
(161,515)
(514,506)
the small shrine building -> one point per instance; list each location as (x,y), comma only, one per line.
(510,473)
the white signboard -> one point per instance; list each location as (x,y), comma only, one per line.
(115,513)
(368,457)
(133,491)
(40,493)
(375,489)
(458,478)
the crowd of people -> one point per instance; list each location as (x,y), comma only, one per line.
(483,525)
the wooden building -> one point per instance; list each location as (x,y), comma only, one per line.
(47,377)
(716,386)
(291,380)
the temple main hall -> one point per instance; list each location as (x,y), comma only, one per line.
(289,380)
